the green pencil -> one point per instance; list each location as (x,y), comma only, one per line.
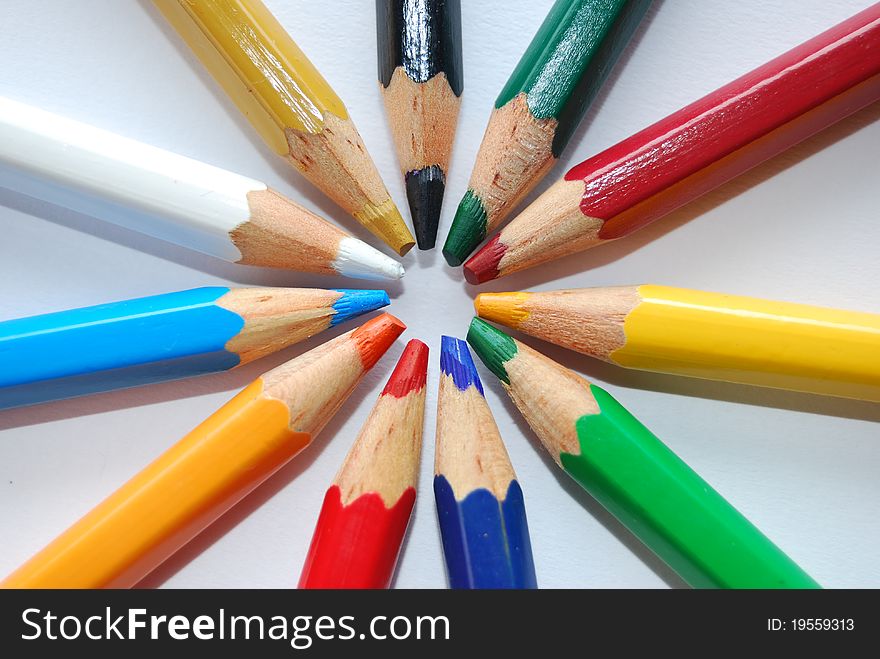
(633,474)
(539,109)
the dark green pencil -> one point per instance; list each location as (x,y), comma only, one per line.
(539,109)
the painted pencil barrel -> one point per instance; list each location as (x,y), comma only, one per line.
(486,542)
(670,508)
(161,337)
(741,339)
(356,544)
(736,127)
(132,184)
(244,47)
(569,58)
(422,37)
(480,505)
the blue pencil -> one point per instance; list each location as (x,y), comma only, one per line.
(480,504)
(162,337)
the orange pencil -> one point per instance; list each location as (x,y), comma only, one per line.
(216,465)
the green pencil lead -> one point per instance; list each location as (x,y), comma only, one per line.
(467,231)
(492,346)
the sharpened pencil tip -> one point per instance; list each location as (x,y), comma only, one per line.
(375,336)
(492,346)
(467,231)
(411,371)
(456,361)
(385,221)
(483,266)
(424,191)
(355,302)
(357,259)
(505,308)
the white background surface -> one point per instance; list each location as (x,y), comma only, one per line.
(802,228)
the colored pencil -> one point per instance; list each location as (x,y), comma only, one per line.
(539,110)
(367,508)
(649,489)
(173,198)
(287,101)
(705,335)
(225,458)
(162,337)
(480,504)
(694,150)
(419,46)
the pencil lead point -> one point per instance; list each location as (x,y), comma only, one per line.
(358,260)
(483,266)
(492,346)
(424,191)
(411,371)
(467,231)
(385,222)
(456,361)
(354,302)
(375,336)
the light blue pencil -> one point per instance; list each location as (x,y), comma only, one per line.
(162,337)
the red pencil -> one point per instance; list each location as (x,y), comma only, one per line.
(695,149)
(367,509)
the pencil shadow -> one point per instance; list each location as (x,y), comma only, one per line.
(425,259)
(277,482)
(305,191)
(680,385)
(593,507)
(613,251)
(457,275)
(162,392)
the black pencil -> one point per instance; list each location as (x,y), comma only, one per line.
(419,47)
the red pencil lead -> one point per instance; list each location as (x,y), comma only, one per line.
(410,372)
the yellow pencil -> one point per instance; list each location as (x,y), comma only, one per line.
(290,104)
(705,335)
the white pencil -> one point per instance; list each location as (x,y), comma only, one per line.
(173,198)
